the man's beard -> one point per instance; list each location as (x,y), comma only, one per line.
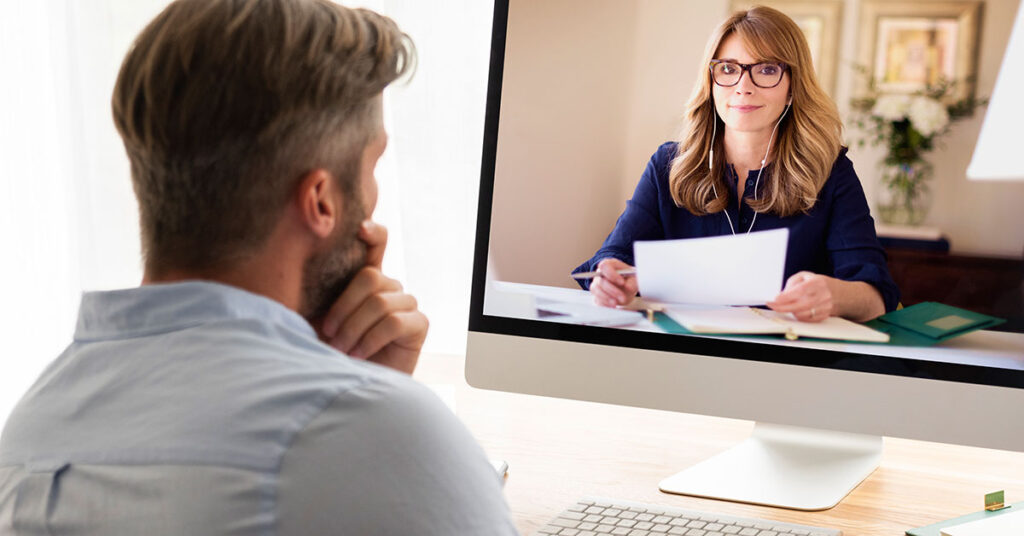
(327,273)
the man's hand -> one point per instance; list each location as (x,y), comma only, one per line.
(374,319)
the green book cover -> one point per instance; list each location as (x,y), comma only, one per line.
(937,321)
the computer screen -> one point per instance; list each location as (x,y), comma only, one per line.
(581,94)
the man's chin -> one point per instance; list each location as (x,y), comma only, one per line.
(326,277)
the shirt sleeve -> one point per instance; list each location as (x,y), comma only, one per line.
(640,220)
(853,247)
(389,458)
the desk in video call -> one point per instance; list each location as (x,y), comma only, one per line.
(985,348)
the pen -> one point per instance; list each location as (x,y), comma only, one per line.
(591,275)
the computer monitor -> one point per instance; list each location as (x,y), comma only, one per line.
(581,92)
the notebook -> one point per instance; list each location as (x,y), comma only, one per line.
(984,515)
(1011,523)
(752,321)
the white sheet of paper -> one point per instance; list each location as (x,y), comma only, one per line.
(743,269)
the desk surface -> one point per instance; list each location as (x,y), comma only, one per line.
(561,450)
(983,348)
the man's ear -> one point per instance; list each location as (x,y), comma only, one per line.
(319,202)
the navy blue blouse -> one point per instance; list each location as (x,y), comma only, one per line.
(836,237)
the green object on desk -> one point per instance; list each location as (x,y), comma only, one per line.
(668,325)
(994,501)
(936,529)
(923,324)
(928,323)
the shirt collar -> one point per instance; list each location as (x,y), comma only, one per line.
(165,307)
(732,178)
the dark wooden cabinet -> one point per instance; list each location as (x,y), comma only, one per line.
(987,285)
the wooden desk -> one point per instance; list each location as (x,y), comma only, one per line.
(561,450)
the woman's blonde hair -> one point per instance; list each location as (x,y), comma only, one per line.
(808,138)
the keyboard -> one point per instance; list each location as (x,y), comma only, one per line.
(599,516)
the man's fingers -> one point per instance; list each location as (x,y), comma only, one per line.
(366,282)
(404,328)
(368,313)
(375,236)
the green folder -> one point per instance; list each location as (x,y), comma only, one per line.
(936,529)
(928,323)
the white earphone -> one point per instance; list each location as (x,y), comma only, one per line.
(711,159)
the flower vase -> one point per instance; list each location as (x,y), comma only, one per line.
(904,197)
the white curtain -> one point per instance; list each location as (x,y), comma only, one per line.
(431,170)
(68,220)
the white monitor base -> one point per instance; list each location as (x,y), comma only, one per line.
(785,466)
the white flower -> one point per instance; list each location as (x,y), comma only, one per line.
(927,115)
(891,107)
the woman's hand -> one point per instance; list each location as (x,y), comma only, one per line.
(808,296)
(610,288)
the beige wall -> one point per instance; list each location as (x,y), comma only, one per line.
(562,133)
(592,87)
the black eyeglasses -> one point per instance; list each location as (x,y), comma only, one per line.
(763,75)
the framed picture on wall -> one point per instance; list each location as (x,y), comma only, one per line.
(821,23)
(907,45)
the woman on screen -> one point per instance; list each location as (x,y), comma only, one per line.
(761,150)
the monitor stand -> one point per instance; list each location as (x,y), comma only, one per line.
(785,466)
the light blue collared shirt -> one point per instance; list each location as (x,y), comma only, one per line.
(199,408)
